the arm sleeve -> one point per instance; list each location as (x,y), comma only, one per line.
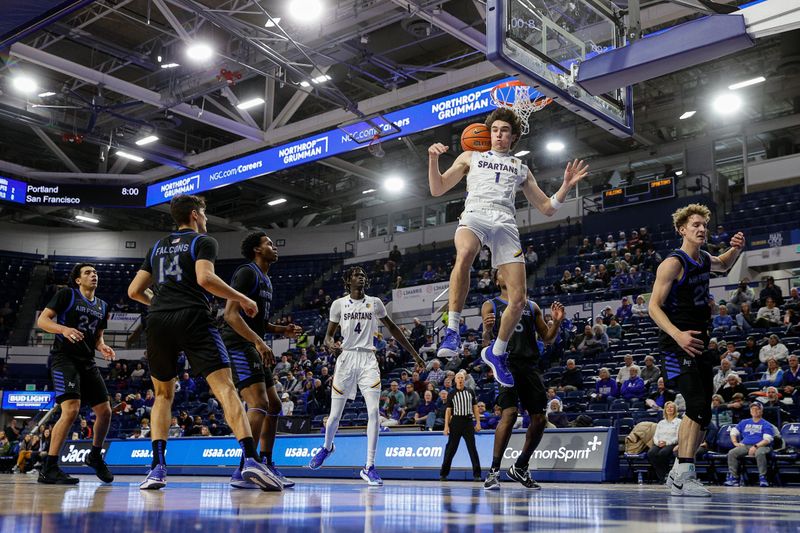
(60,301)
(146,266)
(380,309)
(244,280)
(206,248)
(736,430)
(767,434)
(336,311)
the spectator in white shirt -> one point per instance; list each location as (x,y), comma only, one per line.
(661,454)
(624,373)
(774,350)
(724,371)
(639,309)
(287,405)
(768,316)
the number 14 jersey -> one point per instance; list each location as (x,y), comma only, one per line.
(358,320)
(171,263)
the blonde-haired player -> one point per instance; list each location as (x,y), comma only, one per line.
(679,305)
(356,366)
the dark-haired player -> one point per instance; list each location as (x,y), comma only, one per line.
(250,355)
(356,365)
(78,318)
(493,178)
(528,389)
(679,305)
(180,267)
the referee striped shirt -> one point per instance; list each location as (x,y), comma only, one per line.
(461,402)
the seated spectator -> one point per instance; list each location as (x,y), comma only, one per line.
(566,283)
(484,257)
(650,373)
(494,418)
(718,241)
(436,375)
(85,430)
(791,376)
(429,273)
(639,309)
(5,444)
(723,320)
(603,276)
(771,291)
(731,387)
(725,370)
(485,284)
(586,247)
(531,257)
(595,344)
(743,294)
(411,397)
(426,411)
(768,316)
(661,454)
(624,311)
(428,347)
(555,416)
(752,437)
(720,412)
(635,278)
(773,350)
(26,448)
(587,334)
(661,396)
(175,430)
(614,330)
(605,388)
(791,319)
(749,353)
(137,375)
(287,405)
(419,384)
(622,242)
(186,392)
(472,345)
(633,388)
(773,375)
(624,372)
(579,280)
(610,244)
(793,301)
(731,353)
(571,378)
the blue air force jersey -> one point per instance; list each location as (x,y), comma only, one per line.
(74,310)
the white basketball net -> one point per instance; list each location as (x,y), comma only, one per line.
(517,99)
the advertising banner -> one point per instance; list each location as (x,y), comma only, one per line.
(419,298)
(28,400)
(74,452)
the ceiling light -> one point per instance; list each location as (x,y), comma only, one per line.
(679,172)
(84,218)
(46,94)
(522,152)
(170,65)
(554,146)
(394,184)
(247,104)
(22,417)
(321,79)
(24,84)
(272,22)
(277,201)
(305,10)
(199,52)
(687,114)
(146,140)
(747,83)
(368,191)
(132,157)
(305,84)
(726,103)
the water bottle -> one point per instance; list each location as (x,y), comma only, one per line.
(641,479)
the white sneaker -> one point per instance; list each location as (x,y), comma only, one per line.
(687,484)
(670,479)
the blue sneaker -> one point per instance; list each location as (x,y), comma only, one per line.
(497,362)
(238,482)
(319,458)
(731,481)
(285,481)
(259,474)
(762,481)
(450,346)
(371,476)
(156,478)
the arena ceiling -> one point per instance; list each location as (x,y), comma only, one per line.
(103,64)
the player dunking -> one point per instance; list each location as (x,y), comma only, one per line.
(679,305)
(528,389)
(492,181)
(78,318)
(181,269)
(250,355)
(356,365)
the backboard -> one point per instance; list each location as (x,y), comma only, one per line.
(543,42)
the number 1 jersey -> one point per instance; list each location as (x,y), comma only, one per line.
(171,262)
(358,320)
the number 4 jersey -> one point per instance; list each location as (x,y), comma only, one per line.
(74,310)
(358,320)
(171,263)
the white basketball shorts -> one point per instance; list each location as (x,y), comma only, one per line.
(497,230)
(355,368)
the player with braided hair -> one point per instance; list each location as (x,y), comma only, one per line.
(356,365)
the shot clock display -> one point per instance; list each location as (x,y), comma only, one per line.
(639,193)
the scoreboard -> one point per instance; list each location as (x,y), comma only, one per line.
(69,195)
(639,193)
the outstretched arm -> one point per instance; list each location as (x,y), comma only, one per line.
(725,261)
(548,334)
(439,182)
(576,170)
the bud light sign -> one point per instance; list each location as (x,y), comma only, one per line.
(28,400)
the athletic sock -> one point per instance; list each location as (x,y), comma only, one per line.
(248,448)
(523,461)
(499,346)
(96,452)
(49,461)
(496,463)
(159,453)
(265,457)
(453,321)
(685,465)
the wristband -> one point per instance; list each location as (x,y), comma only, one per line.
(555,203)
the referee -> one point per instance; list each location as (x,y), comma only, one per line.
(461,408)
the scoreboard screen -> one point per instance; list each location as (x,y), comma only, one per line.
(639,193)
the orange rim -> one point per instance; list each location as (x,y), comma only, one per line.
(517,83)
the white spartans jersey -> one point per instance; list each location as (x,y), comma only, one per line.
(493,178)
(358,320)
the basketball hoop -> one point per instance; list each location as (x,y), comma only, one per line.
(516,96)
(374,146)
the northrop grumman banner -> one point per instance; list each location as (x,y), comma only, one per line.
(419,298)
(580,454)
